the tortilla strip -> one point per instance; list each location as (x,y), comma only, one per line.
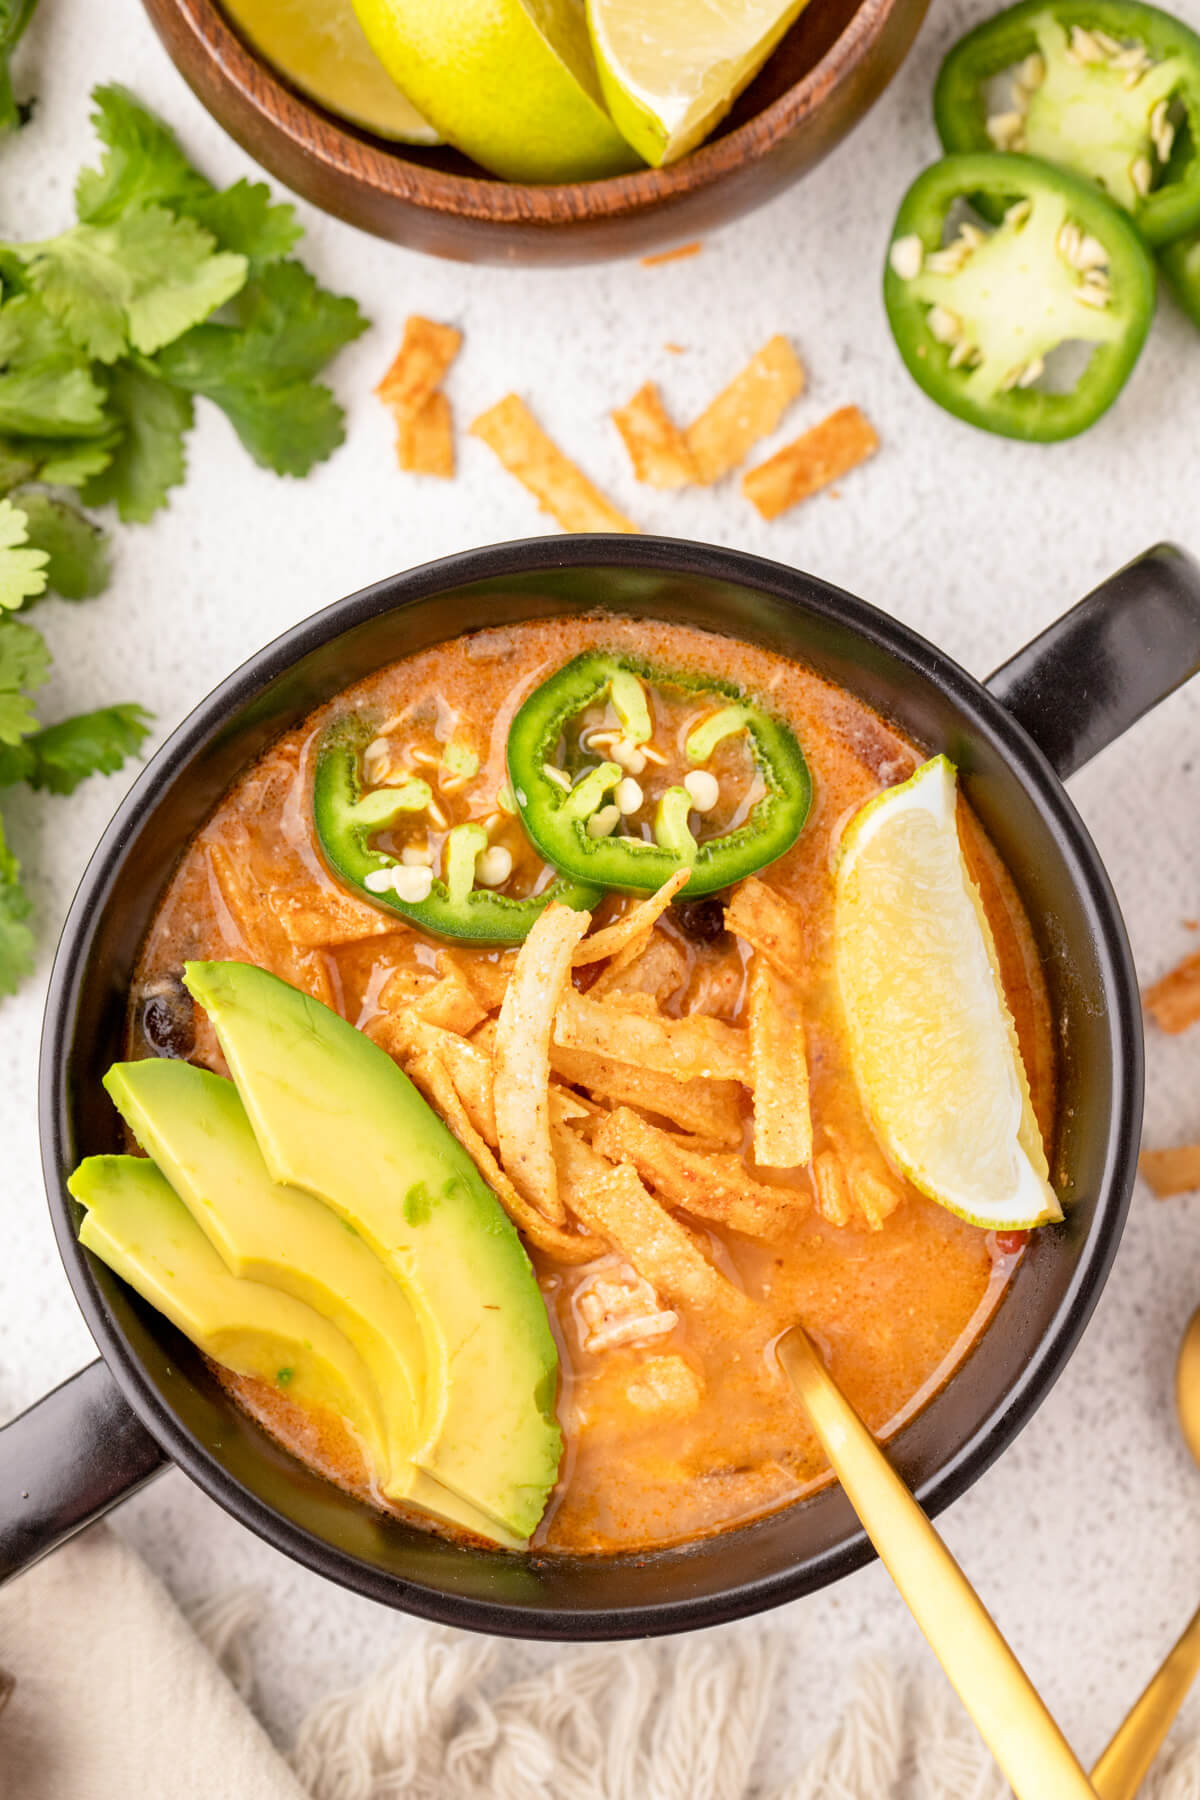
(708,1108)
(433,1078)
(313,920)
(712,1185)
(829,1183)
(613,1203)
(426,352)
(1174,1171)
(635,922)
(678,254)
(759,917)
(779,1072)
(425,438)
(657,448)
(468,1065)
(656,970)
(521,1057)
(248,903)
(560,489)
(443,1000)
(1174,1002)
(692,1046)
(875,1197)
(815,460)
(487,979)
(748,409)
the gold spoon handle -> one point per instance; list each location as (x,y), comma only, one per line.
(1120,1772)
(990,1682)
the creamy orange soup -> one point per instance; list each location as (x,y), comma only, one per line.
(695,1431)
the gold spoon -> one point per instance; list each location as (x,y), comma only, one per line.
(1119,1773)
(1011,1717)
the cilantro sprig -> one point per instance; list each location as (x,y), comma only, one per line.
(166,290)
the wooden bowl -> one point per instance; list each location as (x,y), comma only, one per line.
(831,67)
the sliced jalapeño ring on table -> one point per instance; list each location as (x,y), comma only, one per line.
(932,1042)
(348,818)
(1107,88)
(1181,266)
(578,778)
(979,315)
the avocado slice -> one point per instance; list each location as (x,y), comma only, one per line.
(333,1114)
(194,1126)
(139,1226)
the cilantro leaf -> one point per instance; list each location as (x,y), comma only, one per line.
(46,387)
(24,665)
(139,282)
(77,551)
(22,569)
(14,17)
(61,462)
(259,368)
(244,218)
(16,939)
(60,756)
(148,459)
(143,164)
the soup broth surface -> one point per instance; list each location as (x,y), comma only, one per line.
(693,1432)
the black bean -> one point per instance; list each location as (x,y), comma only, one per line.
(701,920)
(169,1018)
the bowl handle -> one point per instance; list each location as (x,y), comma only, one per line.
(65,1461)
(1094,672)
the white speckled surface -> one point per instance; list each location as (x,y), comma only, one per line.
(1084,1538)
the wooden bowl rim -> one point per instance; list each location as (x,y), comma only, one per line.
(364,160)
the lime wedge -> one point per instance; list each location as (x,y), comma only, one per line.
(512,83)
(672,70)
(932,1041)
(318,45)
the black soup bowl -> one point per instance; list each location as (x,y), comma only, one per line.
(150,1401)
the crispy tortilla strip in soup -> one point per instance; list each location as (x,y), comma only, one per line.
(656,1087)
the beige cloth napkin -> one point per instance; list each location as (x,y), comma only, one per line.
(116,1697)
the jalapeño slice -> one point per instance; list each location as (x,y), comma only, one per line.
(569,811)
(1107,88)
(978,318)
(347,819)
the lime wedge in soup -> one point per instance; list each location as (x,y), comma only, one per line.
(670,72)
(931,1039)
(511,83)
(318,45)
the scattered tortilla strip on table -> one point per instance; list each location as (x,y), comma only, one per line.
(708,1108)
(778,1071)
(711,1184)
(419,367)
(1174,1002)
(691,1046)
(750,408)
(635,922)
(433,1078)
(823,455)
(425,439)
(1175,1171)
(614,1204)
(560,489)
(678,254)
(769,924)
(521,1057)
(657,447)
